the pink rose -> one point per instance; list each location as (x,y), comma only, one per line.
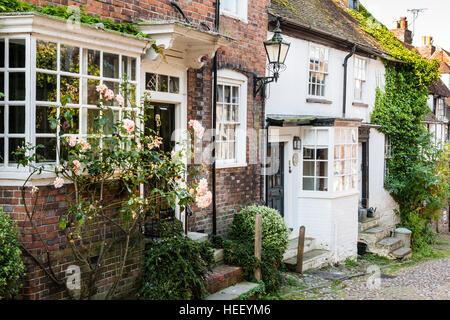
(129,125)
(120,100)
(76,163)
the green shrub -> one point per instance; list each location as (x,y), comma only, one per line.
(240,249)
(175,267)
(11,265)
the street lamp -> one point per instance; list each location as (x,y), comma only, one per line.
(276,51)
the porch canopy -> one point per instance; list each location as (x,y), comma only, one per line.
(315,121)
(183,41)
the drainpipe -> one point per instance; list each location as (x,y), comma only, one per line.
(214,104)
(344,105)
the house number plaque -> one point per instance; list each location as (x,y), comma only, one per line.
(295,159)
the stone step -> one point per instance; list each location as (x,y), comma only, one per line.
(385,246)
(233,292)
(368,223)
(314,259)
(373,235)
(293,243)
(218,257)
(197,236)
(293,247)
(402,253)
(222,277)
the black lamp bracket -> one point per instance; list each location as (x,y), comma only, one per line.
(260,82)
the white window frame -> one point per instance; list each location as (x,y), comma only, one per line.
(360,75)
(345,159)
(328,161)
(30,86)
(4,164)
(228,77)
(314,52)
(241,10)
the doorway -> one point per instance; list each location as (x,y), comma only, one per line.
(275,181)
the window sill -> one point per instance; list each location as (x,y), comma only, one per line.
(233,16)
(318,100)
(360,104)
(230,165)
(327,194)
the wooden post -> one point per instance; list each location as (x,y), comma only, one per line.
(301,246)
(258,244)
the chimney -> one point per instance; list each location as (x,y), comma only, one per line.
(402,32)
(427,49)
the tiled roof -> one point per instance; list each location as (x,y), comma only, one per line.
(439,88)
(329,16)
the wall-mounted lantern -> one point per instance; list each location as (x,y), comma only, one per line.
(276,51)
(297,144)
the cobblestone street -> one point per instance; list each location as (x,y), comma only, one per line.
(426,280)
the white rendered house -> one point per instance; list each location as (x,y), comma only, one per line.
(325,159)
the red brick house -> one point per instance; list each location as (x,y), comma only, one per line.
(197,37)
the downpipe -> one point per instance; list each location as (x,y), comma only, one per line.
(344,103)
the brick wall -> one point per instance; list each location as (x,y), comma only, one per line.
(236,187)
(50,205)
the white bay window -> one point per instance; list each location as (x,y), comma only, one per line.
(58,73)
(330,160)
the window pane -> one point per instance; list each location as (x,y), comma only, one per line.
(235,96)
(220,93)
(93,63)
(219,111)
(92,119)
(308,168)
(227,94)
(70,87)
(17,53)
(308,153)
(2,151)
(115,87)
(322,169)
(2,53)
(110,65)
(48,153)
(308,184)
(14,144)
(17,86)
(70,59)
(45,87)
(90,93)
(43,115)
(16,119)
(174,85)
(322,154)
(71,120)
(151,81)
(2,119)
(129,67)
(163,82)
(231,154)
(46,55)
(112,117)
(321,184)
(2,85)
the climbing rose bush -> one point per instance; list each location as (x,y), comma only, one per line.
(120,155)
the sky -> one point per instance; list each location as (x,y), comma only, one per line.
(435,21)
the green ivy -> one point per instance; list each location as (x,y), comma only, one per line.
(175,267)
(418,177)
(11,265)
(240,249)
(65,12)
